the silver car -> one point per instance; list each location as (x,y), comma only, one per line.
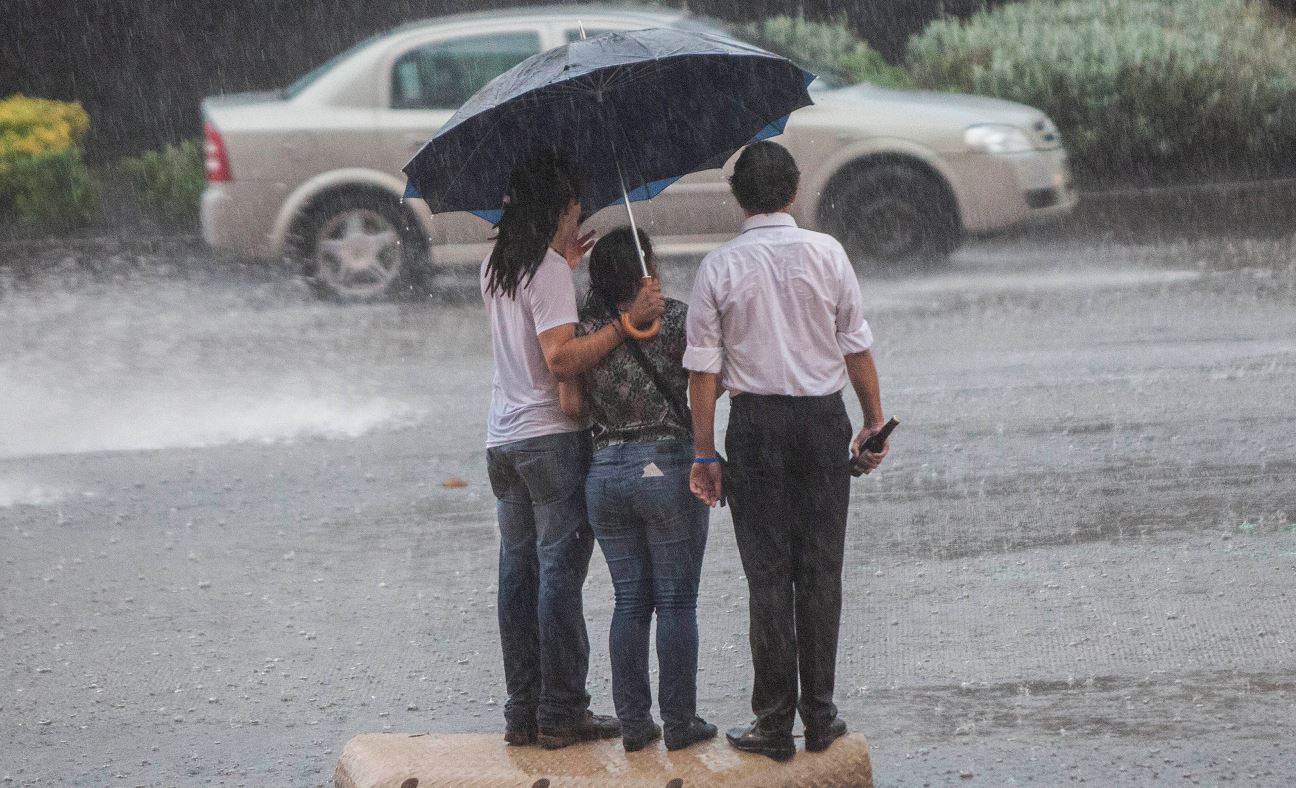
(313,171)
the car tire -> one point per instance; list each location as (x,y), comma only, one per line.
(360,247)
(892,215)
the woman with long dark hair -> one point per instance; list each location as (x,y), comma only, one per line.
(537,456)
(652,529)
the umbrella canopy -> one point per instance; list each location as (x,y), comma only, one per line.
(636,110)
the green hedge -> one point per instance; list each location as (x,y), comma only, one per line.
(831,51)
(168,183)
(1144,90)
(44,181)
(51,191)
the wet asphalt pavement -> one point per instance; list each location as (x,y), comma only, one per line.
(226,545)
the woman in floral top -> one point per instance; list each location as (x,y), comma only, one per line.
(652,530)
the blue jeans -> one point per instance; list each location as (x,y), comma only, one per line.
(545,548)
(653,533)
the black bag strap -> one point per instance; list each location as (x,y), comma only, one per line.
(677,407)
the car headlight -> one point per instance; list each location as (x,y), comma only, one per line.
(993,138)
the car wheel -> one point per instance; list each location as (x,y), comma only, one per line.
(359,247)
(892,214)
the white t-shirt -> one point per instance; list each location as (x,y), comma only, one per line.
(524,397)
(775,310)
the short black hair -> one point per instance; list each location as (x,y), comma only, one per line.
(765,177)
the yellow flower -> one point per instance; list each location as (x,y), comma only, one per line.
(32,126)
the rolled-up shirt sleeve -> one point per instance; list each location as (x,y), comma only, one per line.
(853,332)
(705,350)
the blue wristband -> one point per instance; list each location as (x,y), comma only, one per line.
(706,459)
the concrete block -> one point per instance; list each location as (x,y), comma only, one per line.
(397,760)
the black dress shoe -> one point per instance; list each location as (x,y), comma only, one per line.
(818,739)
(635,737)
(778,746)
(588,728)
(697,730)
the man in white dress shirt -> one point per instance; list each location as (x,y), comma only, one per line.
(776,319)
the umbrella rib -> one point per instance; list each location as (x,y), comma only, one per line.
(619,76)
(481,140)
(620,151)
(730,65)
(628,149)
(640,74)
(569,90)
(665,92)
(696,163)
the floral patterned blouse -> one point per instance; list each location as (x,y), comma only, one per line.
(626,405)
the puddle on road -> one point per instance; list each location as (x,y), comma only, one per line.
(164,363)
(24,492)
(968,279)
(157,419)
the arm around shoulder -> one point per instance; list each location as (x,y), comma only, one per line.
(571,397)
(569,356)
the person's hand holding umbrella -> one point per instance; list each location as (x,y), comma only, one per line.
(645,311)
(643,316)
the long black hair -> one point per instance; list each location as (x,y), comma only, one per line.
(540,189)
(614,269)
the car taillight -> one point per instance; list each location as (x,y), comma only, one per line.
(216,161)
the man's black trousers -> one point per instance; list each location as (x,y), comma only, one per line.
(788,483)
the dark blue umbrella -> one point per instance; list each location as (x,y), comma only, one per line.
(637,110)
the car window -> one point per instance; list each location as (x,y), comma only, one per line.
(445,74)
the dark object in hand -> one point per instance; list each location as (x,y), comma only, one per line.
(873,444)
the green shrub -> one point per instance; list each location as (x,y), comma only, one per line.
(44,180)
(53,190)
(831,51)
(1141,89)
(168,183)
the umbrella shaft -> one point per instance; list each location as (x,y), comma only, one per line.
(634,229)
